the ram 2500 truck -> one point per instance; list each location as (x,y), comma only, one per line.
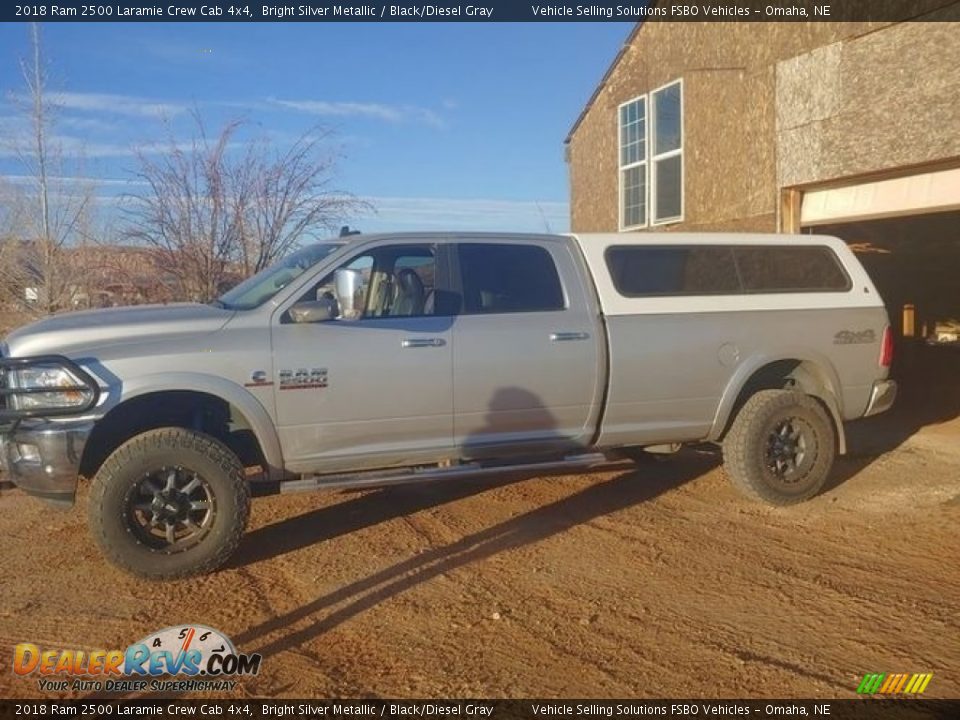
(396,358)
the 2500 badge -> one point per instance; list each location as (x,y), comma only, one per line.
(303,379)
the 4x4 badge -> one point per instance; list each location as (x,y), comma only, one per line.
(849,337)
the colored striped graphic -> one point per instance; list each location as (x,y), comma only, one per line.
(894,683)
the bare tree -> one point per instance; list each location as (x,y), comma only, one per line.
(218,207)
(288,196)
(52,211)
(11,221)
(184,216)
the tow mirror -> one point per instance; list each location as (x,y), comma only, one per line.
(349,288)
(314,311)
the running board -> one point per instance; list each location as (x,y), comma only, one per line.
(383,478)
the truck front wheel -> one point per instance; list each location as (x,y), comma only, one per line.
(169,503)
(780,448)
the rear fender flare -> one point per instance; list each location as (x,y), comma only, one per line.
(815,375)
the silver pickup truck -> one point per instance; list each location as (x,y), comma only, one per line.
(408,357)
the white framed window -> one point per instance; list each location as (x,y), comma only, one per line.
(651,158)
(633,163)
(667,134)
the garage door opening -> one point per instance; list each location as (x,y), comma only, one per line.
(916,261)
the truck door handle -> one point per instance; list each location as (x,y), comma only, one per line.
(564,336)
(422,342)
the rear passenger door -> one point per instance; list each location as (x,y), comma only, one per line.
(526,350)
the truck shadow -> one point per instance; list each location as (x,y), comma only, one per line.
(358,512)
(929,394)
(619,493)
(394,502)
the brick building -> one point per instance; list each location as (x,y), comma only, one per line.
(850,128)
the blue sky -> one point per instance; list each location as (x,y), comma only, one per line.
(456,126)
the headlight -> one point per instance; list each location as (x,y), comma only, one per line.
(66,389)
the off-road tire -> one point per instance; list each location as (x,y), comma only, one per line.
(119,478)
(749,447)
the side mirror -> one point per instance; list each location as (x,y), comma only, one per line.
(314,311)
(349,287)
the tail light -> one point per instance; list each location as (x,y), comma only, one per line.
(886,348)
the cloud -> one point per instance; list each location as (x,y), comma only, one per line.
(13,124)
(69,146)
(87,124)
(425,213)
(378,111)
(118,104)
(80,180)
(391,213)
(141,107)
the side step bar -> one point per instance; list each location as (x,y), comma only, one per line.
(383,478)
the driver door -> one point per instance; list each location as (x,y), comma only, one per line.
(376,390)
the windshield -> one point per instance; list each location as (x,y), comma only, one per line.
(255,291)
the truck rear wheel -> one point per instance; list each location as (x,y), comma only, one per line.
(780,448)
(169,503)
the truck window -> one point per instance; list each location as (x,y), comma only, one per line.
(639,271)
(658,270)
(256,290)
(396,281)
(411,287)
(508,278)
(802,268)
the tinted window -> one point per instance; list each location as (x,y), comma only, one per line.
(804,268)
(508,278)
(639,271)
(678,270)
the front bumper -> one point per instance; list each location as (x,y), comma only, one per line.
(882,395)
(42,457)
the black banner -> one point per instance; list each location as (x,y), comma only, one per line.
(866,708)
(483,11)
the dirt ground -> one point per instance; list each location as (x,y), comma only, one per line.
(656,582)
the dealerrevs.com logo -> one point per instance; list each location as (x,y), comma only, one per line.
(205,656)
